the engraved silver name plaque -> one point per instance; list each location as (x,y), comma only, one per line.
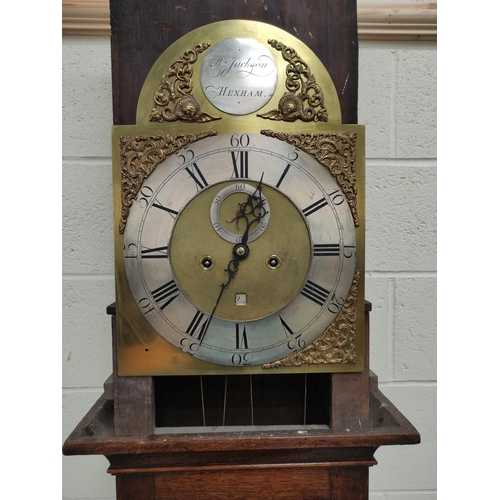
(239,75)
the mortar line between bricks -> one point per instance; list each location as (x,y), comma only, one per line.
(391,326)
(403,492)
(401,162)
(89,276)
(89,160)
(395,44)
(401,274)
(415,162)
(82,389)
(392,384)
(393,127)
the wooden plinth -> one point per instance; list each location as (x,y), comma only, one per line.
(306,463)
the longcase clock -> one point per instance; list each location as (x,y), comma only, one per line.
(240,328)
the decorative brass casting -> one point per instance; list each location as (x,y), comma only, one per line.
(139,156)
(304,99)
(336,344)
(175,91)
(336,152)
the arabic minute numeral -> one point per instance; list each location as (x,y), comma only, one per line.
(336,304)
(184,156)
(296,343)
(130,251)
(145,305)
(349,251)
(143,196)
(238,359)
(188,346)
(295,154)
(240,141)
(336,197)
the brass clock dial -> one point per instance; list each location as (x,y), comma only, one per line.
(239,210)
(240,249)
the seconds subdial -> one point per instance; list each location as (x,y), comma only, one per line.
(229,223)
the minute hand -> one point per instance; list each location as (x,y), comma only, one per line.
(232,269)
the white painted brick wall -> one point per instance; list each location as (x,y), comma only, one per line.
(397,102)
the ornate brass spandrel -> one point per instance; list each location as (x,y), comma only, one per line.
(172,100)
(139,156)
(304,99)
(337,344)
(336,152)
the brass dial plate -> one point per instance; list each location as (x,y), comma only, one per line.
(155,318)
(315,214)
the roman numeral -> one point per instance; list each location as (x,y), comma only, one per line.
(172,213)
(241,338)
(283,175)
(288,330)
(322,250)
(166,294)
(314,292)
(294,342)
(314,207)
(240,164)
(197,328)
(197,177)
(336,197)
(154,253)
